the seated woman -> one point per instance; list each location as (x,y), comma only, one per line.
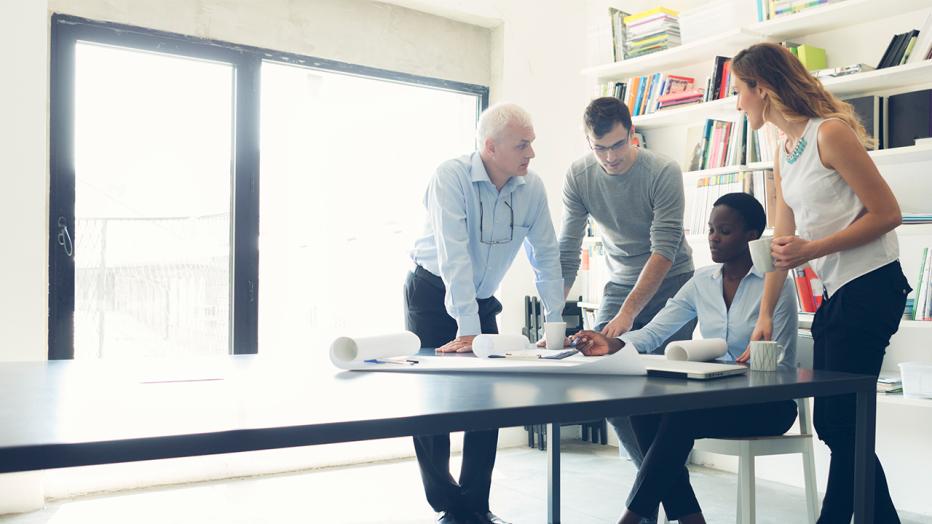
(725,298)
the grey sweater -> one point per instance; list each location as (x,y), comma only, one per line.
(638,213)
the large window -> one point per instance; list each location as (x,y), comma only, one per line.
(158,194)
(153,137)
(345,163)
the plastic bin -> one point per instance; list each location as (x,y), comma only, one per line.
(917,379)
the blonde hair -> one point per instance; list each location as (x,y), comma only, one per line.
(791,89)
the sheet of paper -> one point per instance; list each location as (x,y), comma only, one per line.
(625,362)
(696,350)
(485,345)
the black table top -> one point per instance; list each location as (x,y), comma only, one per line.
(72,413)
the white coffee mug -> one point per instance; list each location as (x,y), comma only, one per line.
(554,334)
(760,253)
(765,355)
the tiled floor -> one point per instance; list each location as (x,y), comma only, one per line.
(595,484)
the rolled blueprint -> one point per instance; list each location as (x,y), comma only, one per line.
(696,350)
(353,352)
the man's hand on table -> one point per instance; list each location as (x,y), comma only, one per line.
(458,345)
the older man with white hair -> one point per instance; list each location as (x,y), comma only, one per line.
(481,208)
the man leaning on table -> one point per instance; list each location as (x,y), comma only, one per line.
(481,208)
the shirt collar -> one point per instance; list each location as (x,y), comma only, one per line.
(479,174)
(717,274)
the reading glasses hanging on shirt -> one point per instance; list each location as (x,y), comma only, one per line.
(511,224)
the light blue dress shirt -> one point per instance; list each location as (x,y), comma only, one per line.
(472,259)
(701,297)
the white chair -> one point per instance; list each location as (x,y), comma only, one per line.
(746,449)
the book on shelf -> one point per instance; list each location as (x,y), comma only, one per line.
(899,49)
(759,183)
(889,384)
(769,9)
(843,70)
(617,17)
(809,288)
(650,93)
(917,218)
(907,117)
(870,112)
(923,46)
(922,303)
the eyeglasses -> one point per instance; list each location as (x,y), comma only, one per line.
(511,225)
(617,147)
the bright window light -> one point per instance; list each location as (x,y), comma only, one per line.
(153,139)
(345,162)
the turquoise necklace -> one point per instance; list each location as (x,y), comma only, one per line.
(793,155)
(798,150)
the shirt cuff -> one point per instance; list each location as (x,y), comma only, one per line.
(628,342)
(468,326)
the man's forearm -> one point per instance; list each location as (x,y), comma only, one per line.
(647,285)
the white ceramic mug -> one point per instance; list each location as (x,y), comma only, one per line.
(554,334)
(765,355)
(760,253)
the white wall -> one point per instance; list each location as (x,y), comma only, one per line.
(24,180)
(355,31)
(23,206)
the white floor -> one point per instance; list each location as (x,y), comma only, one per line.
(595,485)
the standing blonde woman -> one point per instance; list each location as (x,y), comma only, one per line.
(836,212)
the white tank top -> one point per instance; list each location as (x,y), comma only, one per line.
(823,204)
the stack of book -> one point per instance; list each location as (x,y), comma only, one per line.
(768,9)
(917,218)
(759,183)
(922,305)
(651,31)
(889,385)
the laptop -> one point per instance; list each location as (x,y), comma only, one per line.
(660,366)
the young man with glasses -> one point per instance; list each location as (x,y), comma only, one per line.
(636,198)
(481,209)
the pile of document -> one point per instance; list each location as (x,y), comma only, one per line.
(651,31)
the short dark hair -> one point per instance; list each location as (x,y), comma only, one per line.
(603,113)
(752,213)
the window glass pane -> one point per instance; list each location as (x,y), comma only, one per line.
(153,137)
(345,163)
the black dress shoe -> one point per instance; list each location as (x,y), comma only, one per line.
(486,517)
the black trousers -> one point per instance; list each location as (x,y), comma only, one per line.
(426,317)
(851,331)
(669,438)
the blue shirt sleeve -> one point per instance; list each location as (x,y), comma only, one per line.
(785,325)
(446,206)
(675,314)
(544,255)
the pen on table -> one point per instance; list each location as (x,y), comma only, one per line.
(386,361)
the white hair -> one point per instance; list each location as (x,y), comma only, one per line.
(494,120)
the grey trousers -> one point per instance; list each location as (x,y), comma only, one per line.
(614,297)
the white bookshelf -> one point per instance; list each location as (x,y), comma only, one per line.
(899,400)
(725,44)
(831,16)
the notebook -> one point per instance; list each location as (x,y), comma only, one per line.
(660,366)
